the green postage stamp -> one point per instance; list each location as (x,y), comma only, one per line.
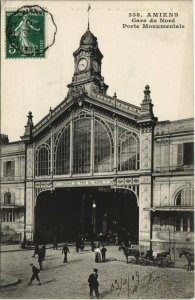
(26,32)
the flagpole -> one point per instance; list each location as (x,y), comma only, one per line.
(89,7)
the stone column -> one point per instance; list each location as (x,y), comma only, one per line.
(92,142)
(29,192)
(115,146)
(71,143)
(147,123)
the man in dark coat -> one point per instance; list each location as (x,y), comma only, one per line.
(93,283)
(65,251)
(35,272)
(43,248)
(36,251)
(77,246)
(40,258)
(103,252)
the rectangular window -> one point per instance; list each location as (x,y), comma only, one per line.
(184,223)
(178,224)
(9,169)
(191,223)
(180,154)
(188,153)
(185,154)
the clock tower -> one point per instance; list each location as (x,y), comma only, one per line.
(87,66)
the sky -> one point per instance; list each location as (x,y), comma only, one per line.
(133,58)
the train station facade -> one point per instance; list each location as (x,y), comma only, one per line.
(98,166)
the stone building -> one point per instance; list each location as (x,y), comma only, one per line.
(12,188)
(100,167)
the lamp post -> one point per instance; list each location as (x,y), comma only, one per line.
(93,216)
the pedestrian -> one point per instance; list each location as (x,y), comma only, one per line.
(35,272)
(97,255)
(65,251)
(23,245)
(93,283)
(77,246)
(92,246)
(55,244)
(36,251)
(103,252)
(40,258)
(82,245)
(43,249)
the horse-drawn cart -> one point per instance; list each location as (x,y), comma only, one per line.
(162,259)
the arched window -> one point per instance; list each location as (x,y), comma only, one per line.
(81,145)
(7,198)
(103,149)
(62,155)
(185,197)
(43,161)
(128,152)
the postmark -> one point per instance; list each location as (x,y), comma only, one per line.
(27,35)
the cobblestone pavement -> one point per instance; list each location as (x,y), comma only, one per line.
(70,280)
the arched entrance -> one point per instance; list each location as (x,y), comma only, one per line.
(94,213)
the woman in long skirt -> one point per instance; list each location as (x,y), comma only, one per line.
(97,255)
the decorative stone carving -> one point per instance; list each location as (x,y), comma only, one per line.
(78,93)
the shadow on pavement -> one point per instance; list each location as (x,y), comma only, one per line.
(106,293)
(46,259)
(49,281)
(63,264)
(109,259)
(45,269)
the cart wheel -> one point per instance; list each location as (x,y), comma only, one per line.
(141,261)
(165,263)
(159,262)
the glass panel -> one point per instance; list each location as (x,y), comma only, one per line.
(178,201)
(81,146)
(128,150)
(63,153)
(43,161)
(103,149)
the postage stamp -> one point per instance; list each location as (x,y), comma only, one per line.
(26,32)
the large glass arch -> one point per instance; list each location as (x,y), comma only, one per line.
(62,152)
(128,152)
(103,148)
(82,145)
(43,160)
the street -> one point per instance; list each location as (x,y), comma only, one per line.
(117,278)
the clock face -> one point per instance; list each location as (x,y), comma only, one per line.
(82,65)
(95,66)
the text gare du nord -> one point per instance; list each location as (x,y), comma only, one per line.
(137,18)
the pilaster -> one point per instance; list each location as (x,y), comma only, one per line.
(71,144)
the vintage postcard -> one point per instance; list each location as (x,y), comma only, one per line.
(97,150)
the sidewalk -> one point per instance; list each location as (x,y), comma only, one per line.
(7,280)
(17,247)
